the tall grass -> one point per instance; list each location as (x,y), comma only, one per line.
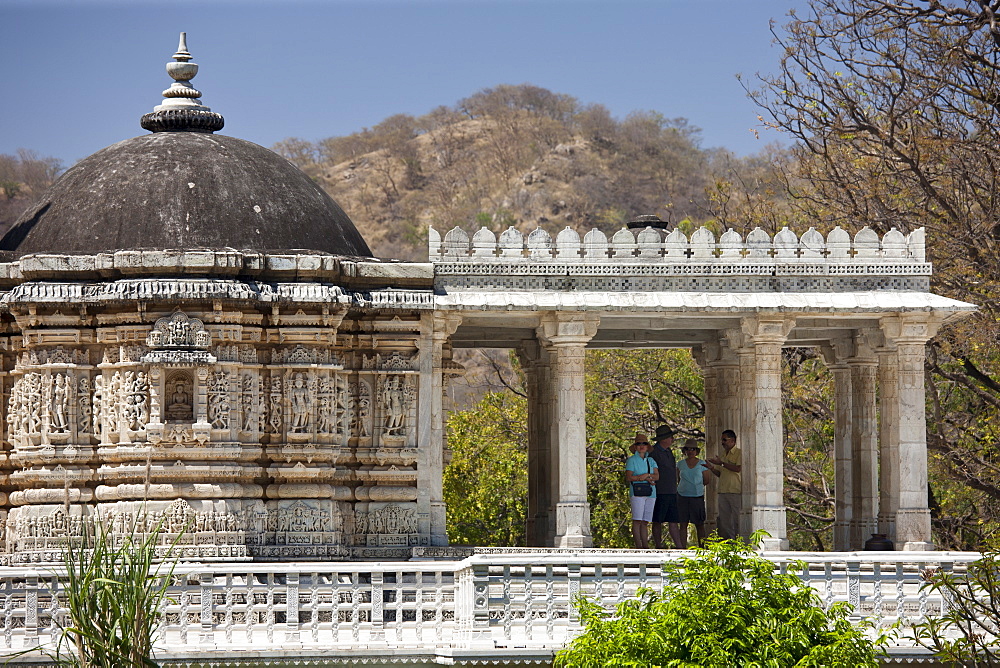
(114,589)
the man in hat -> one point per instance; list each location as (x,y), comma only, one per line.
(666,488)
(729,467)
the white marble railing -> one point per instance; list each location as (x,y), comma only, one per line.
(521,600)
(651,245)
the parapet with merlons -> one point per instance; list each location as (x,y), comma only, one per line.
(785,262)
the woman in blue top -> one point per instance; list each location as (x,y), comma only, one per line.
(640,467)
(692,476)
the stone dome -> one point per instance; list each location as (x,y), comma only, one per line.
(184,190)
(184,187)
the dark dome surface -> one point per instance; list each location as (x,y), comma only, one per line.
(184,190)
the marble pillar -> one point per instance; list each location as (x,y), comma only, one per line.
(565,335)
(437,329)
(704,357)
(908,334)
(542,468)
(888,397)
(760,375)
(864,444)
(843,473)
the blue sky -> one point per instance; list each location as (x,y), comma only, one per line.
(79,74)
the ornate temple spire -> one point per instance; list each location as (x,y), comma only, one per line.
(182,110)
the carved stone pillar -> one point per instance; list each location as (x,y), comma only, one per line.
(706,356)
(836,356)
(540,520)
(888,387)
(438,328)
(864,444)
(566,336)
(908,334)
(727,375)
(760,375)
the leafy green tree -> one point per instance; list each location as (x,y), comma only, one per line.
(486,482)
(724,607)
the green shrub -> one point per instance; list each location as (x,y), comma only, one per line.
(113,589)
(727,607)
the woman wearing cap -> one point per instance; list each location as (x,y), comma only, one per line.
(641,468)
(692,476)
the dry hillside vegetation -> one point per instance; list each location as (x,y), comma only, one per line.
(511,155)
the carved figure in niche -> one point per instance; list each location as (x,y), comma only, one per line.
(364,424)
(299,521)
(218,401)
(83,402)
(179,331)
(136,400)
(180,406)
(251,408)
(114,403)
(300,401)
(261,406)
(100,406)
(324,419)
(59,421)
(343,410)
(393,404)
(140,398)
(33,403)
(275,418)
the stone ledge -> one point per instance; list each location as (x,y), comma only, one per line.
(222,263)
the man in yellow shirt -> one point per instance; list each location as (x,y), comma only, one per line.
(730,465)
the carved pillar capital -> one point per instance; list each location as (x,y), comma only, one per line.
(908,328)
(562,329)
(760,329)
(446,324)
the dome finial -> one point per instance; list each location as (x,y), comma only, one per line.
(182,110)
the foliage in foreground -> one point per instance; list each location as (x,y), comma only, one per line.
(966,634)
(114,590)
(723,607)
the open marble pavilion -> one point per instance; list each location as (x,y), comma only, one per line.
(171,354)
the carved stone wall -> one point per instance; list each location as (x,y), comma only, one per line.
(291,435)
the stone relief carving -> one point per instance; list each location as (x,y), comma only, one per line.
(325,420)
(303,517)
(300,403)
(180,397)
(85,418)
(391,519)
(59,407)
(132,353)
(394,397)
(301,354)
(363,416)
(24,409)
(274,409)
(395,361)
(56,356)
(179,331)
(218,400)
(252,403)
(244,354)
(135,400)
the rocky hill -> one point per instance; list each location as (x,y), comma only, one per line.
(512,155)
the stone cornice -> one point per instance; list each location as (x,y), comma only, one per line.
(349,272)
(227,290)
